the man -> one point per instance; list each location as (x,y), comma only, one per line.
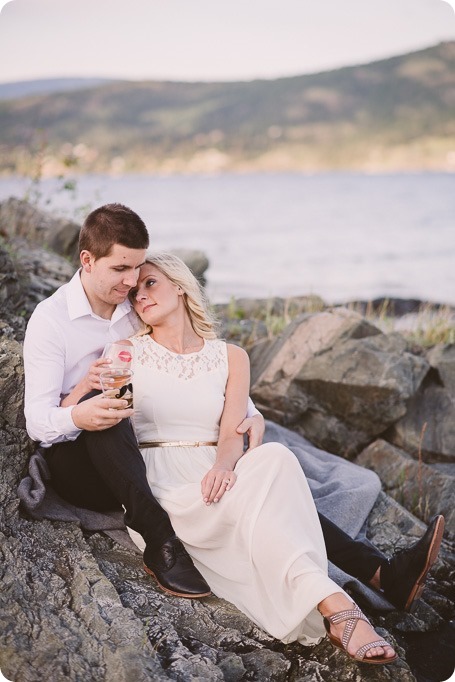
(91,449)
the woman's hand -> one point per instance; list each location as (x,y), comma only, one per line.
(92,379)
(91,382)
(215,483)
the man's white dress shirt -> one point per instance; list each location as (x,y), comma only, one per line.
(63,338)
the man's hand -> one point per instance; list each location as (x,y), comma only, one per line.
(254,427)
(100,413)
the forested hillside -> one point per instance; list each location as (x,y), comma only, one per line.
(391,114)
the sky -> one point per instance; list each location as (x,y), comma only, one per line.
(210,40)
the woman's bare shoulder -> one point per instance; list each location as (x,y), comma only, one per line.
(236,353)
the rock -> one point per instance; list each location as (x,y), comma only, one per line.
(18,218)
(78,606)
(40,273)
(266,665)
(246,321)
(197,261)
(12,298)
(418,487)
(442,359)
(61,618)
(428,425)
(214,630)
(335,378)
(11,293)
(29,273)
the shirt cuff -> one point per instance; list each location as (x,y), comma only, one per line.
(251,409)
(63,423)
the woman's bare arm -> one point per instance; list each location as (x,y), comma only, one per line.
(230,442)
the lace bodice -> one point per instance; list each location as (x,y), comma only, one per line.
(178,396)
(184,366)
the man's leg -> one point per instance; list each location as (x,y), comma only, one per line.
(356,558)
(118,460)
(105,469)
(402,577)
(75,478)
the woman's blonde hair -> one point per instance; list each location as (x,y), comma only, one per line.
(196,303)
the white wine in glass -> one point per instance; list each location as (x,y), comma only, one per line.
(117,383)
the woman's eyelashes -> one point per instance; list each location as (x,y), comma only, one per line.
(134,292)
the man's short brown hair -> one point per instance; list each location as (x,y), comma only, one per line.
(112,224)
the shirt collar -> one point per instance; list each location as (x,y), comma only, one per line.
(79,305)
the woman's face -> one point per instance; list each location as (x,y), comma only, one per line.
(155,297)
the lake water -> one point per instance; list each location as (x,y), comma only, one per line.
(343,236)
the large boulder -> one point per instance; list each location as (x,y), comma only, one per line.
(19,218)
(39,271)
(335,378)
(428,427)
(424,490)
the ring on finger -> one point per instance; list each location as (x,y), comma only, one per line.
(226,482)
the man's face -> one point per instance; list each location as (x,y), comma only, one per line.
(110,278)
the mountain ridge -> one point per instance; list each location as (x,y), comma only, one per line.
(395,113)
(47,86)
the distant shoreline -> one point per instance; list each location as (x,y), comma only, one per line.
(379,172)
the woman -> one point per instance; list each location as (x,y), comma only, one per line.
(248,522)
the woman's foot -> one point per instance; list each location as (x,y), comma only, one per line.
(349,629)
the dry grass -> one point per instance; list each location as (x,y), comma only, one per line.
(428,327)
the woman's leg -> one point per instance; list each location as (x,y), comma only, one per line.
(363,633)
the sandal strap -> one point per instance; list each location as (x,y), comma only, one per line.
(340,616)
(352,616)
(360,653)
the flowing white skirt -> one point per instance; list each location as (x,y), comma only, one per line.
(261,546)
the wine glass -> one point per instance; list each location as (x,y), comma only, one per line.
(121,354)
(116,383)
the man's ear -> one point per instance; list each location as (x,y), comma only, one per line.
(86,260)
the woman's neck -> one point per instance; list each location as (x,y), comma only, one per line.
(178,340)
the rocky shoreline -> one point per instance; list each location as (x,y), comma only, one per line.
(77,606)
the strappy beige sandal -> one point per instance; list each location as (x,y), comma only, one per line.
(352,616)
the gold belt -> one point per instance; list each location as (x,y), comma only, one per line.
(175,443)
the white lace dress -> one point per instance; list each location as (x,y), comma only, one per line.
(261,546)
